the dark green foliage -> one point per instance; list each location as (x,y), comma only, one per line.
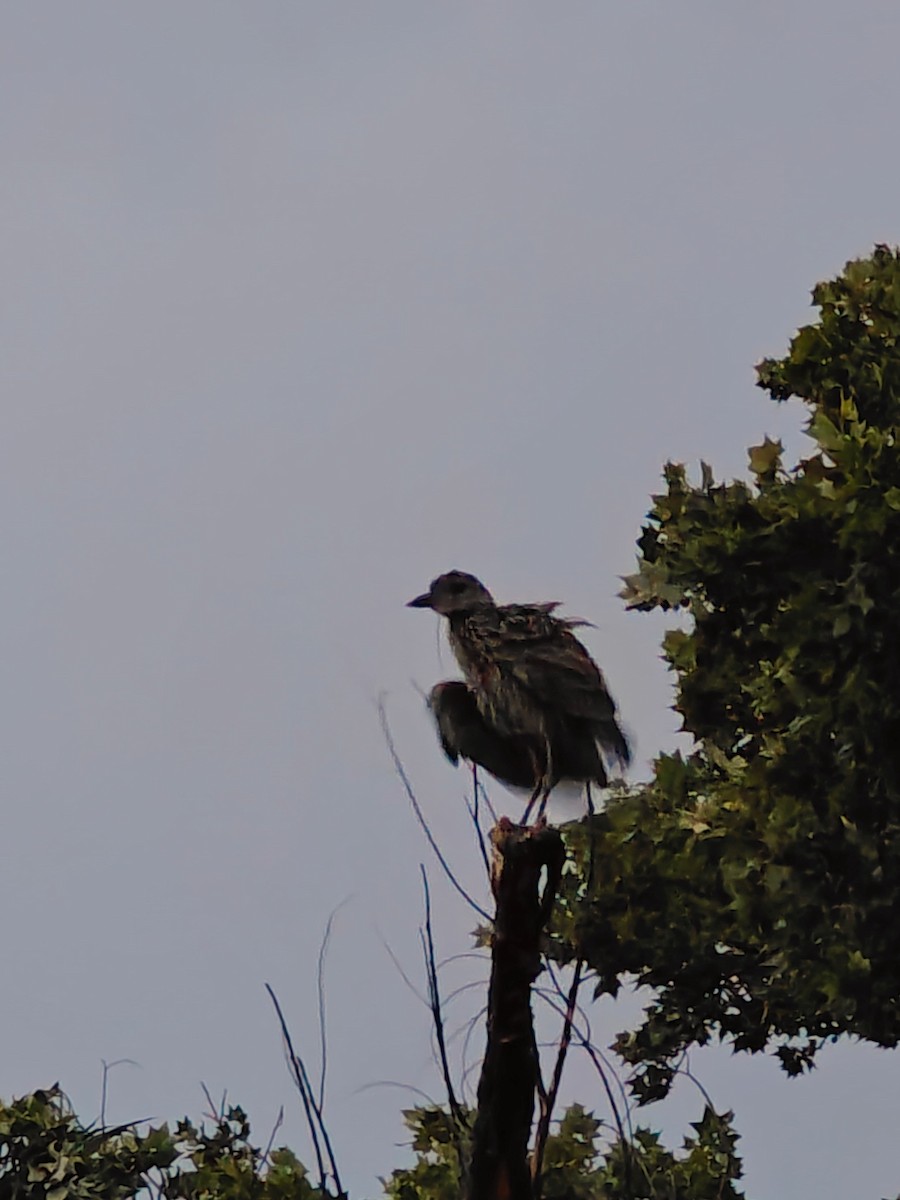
(437,1171)
(47,1154)
(576,1167)
(755,887)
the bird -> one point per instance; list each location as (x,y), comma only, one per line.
(536,707)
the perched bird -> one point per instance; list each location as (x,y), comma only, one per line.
(536,707)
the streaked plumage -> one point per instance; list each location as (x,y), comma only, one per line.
(539,694)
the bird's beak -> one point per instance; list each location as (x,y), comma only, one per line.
(423,601)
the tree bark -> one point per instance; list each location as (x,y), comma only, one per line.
(499,1167)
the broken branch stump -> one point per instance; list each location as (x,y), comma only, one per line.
(499,1169)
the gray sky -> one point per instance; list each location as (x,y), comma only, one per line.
(304,304)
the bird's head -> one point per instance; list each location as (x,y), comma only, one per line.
(454,592)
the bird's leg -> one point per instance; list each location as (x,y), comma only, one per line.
(545,789)
(538,785)
(590,832)
(531,801)
(547,780)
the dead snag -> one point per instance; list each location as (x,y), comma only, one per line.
(499,1165)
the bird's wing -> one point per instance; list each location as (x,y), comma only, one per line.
(561,673)
(447,745)
(540,652)
(464,733)
(441,707)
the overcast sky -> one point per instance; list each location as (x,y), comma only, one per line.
(303,304)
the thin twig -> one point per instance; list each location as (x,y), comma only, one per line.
(548,1102)
(480,955)
(540,1086)
(482,791)
(400,971)
(434,998)
(473,1025)
(601,1063)
(320,986)
(459,991)
(395,1083)
(420,816)
(313,1111)
(688,1074)
(468,1027)
(601,1067)
(216,1112)
(589,826)
(472,809)
(104,1086)
(300,1084)
(279,1121)
(625,1142)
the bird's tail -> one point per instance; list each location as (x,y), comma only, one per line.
(615,745)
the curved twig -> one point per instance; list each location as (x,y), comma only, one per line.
(548,1100)
(400,971)
(420,816)
(597,1059)
(320,987)
(472,809)
(315,1122)
(104,1086)
(395,1083)
(279,1121)
(434,998)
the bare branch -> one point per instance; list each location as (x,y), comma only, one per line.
(104,1086)
(688,1074)
(320,986)
(279,1121)
(420,816)
(470,1027)
(602,1067)
(395,1083)
(434,998)
(584,1037)
(400,971)
(459,991)
(480,790)
(314,1120)
(474,813)
(548,1101)
(216,1111)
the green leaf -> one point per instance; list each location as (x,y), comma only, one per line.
(766,458)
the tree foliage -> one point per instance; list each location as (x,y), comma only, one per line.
(46,1153)
(578,1166)
(754,886)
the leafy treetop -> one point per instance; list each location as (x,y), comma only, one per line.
(755,885)
(46,1153)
